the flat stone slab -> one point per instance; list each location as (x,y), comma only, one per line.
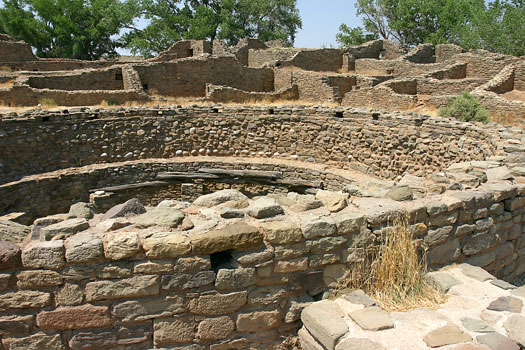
(497,341)
(509,304)
(475,272)
(520,292)
(130,208)
(503,284)
(372,319)
(358,344)
(66,228)
(515,326)
(475,325)
(359,297)
(325,322)
(443,281)
(446,335)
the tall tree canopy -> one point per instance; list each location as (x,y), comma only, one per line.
(68,28)
(232,20)
(497,26)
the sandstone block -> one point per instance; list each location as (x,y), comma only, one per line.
(13,232)
(70,295)
(213,199)
(349,222)
(153,267)
(166,245)
(138,286)
(265,296)
(64,229)
(444,253)
(237,236)
(83,248)
(4,281)
(515,326)
(478,326)
(297,305)
(49,255)
(287,266)
(325,322)
(24,299)
(372,319)
(498,341)
(217,304)
(39,341)
(264,207)
(358,344)
(318,227)
(235,278)
(16,325)
(167,331)
(76,317)
(281,232)
(81,210)
(442,281)
(10,256)
(249,258)
(333,273)
(163,216)
(510,304)
(334,201)
(211,329)
(255,321)
(446,335)
(307,341)
(193,264)
(327,244)
(145,309)
(123,245)
(475,272)
(188,280)
(38,278)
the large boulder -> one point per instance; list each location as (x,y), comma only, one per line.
(264,207)
(130,208)
(63,229)
(81,210)
(213,199)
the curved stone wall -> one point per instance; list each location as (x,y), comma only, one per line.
(380,144)
(227,283)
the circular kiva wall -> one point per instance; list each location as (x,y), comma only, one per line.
(381,144)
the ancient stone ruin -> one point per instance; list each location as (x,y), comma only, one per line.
(214,226)
(377,74)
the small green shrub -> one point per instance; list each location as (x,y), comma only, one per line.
(465,108)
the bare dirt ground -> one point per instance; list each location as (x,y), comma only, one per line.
(514,95)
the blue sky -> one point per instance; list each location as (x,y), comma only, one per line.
(321,21)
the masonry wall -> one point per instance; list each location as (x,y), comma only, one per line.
(167,289)
(519,77)
(258,58)
(319,60)
(106,79)
(389,144)
(54,193)
(15,51)
(188,77)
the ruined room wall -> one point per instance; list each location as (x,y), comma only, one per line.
(146,297)
(226,94)
(26,96)
(447,51)
(318,60)
(381,97)
(282,78)
(314,87)
(388,144)
(14,51)
(428,86)
(188,77)
(519,76)
(258,58)
(106,79)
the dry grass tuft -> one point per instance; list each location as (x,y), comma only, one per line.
(290,343)
(7,85)
(393,272)
(5,69)
(47,102)
(507,119)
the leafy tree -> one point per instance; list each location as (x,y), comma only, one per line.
(68,28)
(496,26)
(232,20)
(465,108)
(353,36)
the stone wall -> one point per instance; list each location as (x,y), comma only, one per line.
(55,192)
(103,79)
(183,49)
(188,77)
(14,51)
(389,144)
(230,95)
(241,283)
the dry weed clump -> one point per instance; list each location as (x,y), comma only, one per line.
(393,272)
(289,343)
